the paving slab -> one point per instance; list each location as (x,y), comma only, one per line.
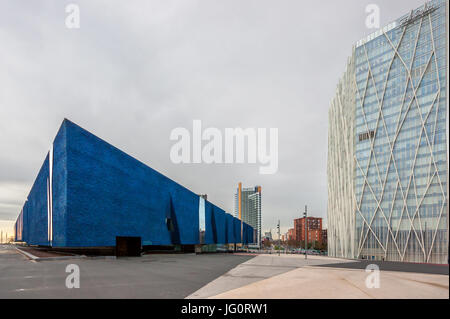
(259,268)
(314,282)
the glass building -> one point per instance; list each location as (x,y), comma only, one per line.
(248,209)
(388,144)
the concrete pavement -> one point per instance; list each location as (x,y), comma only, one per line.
(291,277)
(338,283)
(260,268)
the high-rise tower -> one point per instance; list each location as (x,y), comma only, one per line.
(248,208)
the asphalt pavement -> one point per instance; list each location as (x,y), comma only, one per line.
(150,276)
(394,266)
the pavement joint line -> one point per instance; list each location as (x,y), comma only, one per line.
(26,254)
(270,266)
(60,258)
(35,258)
(356,287)
(430,284)
(100,257)
(390,272)
(336,268)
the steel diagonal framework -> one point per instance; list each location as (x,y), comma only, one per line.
(404,194)
(341,205)
(391,207)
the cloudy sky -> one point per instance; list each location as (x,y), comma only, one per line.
(135,70)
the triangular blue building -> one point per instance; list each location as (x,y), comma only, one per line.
(88,193)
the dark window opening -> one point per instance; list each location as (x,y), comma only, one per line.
(169,223)
(128,246)
(366,136)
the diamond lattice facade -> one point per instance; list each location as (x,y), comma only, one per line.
(388,144)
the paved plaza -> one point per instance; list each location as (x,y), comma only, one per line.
(230,276)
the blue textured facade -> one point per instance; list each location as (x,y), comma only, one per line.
(98,192)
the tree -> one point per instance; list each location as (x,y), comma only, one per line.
(293,243)
(267,243)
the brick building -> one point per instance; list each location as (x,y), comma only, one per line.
(324,236)
(291,234)
(314,229)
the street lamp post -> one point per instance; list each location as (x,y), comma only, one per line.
(305,215)
(279,239)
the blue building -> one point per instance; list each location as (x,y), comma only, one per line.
(89,193)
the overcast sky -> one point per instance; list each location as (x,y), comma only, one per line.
(135,70)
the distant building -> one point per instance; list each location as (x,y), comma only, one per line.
(291,234)
(314,229)
(315,235)
(248,208)
(268,235)
(324,236)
